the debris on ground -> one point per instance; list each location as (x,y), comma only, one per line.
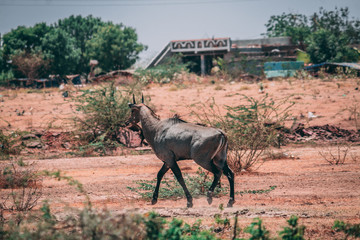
(327,132)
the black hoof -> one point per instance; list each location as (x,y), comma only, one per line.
(209,198)
(189,205)
(230,203)
(154,201)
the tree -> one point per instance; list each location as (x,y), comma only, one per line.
(23,39)
(325,46)
(337,22)
(293,25)
(326,35)
(30,65)
(115,47)
(82,30)
(2,60)
(59,48)
(69,45)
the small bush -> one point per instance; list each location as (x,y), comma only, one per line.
(104,112)
(9,144)
(21,186)
(354,113)
(336,153)
(251,128)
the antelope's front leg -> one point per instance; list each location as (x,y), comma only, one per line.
(177,172)
(160,175)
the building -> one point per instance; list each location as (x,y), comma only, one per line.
(249,55)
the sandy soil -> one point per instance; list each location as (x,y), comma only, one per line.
(331,101)
(307,186)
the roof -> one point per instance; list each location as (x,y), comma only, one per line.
(223,45)
(343,64)
(161,55)
(201,45)
(274,41)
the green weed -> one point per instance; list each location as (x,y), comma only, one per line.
(257,230)
(260,191)
(350,230)
(198,185)
(293,232)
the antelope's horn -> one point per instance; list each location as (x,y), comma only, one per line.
(134,99)
(142,98)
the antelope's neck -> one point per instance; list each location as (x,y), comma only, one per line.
(149,124)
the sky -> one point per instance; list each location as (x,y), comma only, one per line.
(159,21)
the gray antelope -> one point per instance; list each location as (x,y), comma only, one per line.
(174,139)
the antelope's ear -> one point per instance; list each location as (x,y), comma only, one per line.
(130,105)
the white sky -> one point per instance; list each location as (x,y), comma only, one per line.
(159,21)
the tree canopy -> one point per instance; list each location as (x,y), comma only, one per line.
(81,30)
(325,35)
(68,45)
(115,47)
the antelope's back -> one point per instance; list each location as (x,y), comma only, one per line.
(187,140)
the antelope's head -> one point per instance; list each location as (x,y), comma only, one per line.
(135,110)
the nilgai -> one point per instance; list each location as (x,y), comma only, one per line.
(174,139)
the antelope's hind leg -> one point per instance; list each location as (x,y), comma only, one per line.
(230,175)
(217,175)
(160,175)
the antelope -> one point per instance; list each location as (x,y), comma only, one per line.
(174,139)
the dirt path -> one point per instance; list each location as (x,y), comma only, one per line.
(307,186)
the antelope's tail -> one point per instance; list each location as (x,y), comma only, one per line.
(222,144)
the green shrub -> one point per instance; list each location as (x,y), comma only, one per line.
(257,230)
(91,224)
(6,77)
(9,144)
(86,224)
(350,230)
(251,128)
(293,232)
(104,112)
(163,73)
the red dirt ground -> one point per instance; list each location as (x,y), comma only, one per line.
(307,186)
